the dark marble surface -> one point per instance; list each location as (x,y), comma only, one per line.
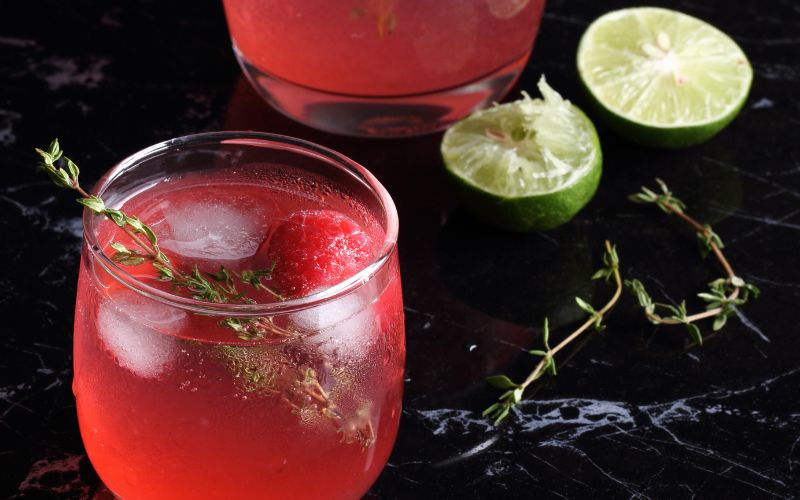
(633,414)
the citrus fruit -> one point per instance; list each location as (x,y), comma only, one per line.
(662,78)
(527,165)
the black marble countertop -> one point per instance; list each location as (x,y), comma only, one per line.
(632,414)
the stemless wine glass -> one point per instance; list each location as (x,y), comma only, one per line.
(184,398)
(382,67)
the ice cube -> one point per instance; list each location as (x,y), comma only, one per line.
(350,338)
(345,325)
(160,317)
(506,9)
(328,313)
(136,330)
(213,229)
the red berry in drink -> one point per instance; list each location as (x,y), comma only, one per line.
(313,249)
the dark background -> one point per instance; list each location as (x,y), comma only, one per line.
(633,414)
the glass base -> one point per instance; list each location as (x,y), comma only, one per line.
(392,116)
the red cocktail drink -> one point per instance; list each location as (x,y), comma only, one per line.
(382,67)
(293,393)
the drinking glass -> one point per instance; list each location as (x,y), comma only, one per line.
(174,403)
(382,67)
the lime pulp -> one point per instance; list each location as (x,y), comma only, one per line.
(531,164)
(662,78)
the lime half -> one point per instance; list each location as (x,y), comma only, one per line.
(527,165)
(663,78)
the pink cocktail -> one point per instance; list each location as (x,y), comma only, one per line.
(382,67)
(290,396)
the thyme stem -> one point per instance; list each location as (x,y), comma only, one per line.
(540,368)
(514,392)
(220,288)
(704,231)
(655,318)
(154,253)
(725,293)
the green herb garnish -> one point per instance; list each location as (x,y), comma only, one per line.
(514,392)
(219,287)
(724,294)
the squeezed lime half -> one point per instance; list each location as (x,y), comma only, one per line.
(663,78)
(528,165)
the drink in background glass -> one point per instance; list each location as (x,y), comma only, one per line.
(171,403)
(382,67)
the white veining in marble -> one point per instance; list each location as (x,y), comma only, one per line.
(566,423)
(7,119)
(60,72)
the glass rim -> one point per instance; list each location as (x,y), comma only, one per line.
(268,141)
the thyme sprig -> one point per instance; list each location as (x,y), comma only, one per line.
(274,373)
(724,295)
(514,392)
(219,287)
(306,389)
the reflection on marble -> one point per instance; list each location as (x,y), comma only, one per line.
(632,413)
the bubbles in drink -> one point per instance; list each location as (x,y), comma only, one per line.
(132,328)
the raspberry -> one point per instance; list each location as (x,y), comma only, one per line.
(313,249)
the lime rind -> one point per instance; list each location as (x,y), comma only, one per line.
(661,77)
(523,148)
